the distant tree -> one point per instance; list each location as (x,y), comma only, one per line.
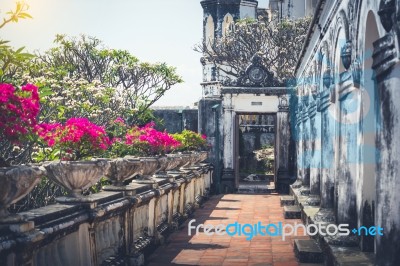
(278,42)
(125,86)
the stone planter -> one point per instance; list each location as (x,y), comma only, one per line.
(172,162)
(177,159)
(149,166)
(163,163)
(122,169)
(195,158)
(16,183)
(76,176)
(186,160)
(198,157)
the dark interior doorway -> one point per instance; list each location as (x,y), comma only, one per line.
(256,151)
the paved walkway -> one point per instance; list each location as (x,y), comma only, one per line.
(202,249)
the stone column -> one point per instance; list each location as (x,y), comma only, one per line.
(282,145)
(387,69)
(315,142)
(327,150)
(209,124)
(228,173)
(299,147)
(306,148)
(348,151)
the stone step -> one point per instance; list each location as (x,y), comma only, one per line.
(351,256)
(292,212)
(308,251)
(287,201)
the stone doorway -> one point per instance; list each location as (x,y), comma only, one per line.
(255,151)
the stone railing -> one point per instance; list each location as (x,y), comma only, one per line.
(121,224)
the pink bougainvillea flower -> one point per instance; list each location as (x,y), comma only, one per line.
(18,110)
(150,140)
(78,136)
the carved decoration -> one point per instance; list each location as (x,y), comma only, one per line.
(356,73)
(346,55)
(386,12)
(386,54)
(283,103)
(256,75)
(327,78)
(352,11)
(314,90)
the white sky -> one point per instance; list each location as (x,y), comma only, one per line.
(152,30)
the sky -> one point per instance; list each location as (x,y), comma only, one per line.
(152,30)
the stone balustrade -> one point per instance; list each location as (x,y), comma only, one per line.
(120,224)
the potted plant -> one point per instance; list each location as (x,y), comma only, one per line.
(193,143)
(18,117)
(77,141)
(19,109)
(150,145)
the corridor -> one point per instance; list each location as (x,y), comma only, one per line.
(202,249)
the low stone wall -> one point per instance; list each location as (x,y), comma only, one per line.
(112,227)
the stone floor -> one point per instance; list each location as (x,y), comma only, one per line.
(201,249)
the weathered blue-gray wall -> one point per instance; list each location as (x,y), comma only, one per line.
(353,63)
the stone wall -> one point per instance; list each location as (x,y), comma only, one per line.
(347,121)
(112,228)
(176,120)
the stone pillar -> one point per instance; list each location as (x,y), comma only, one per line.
(387,70)
(282,141)
(306,146)
(315,142)
(228,172)
(299,148)
(348,124)
(327,150)
(209,113)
